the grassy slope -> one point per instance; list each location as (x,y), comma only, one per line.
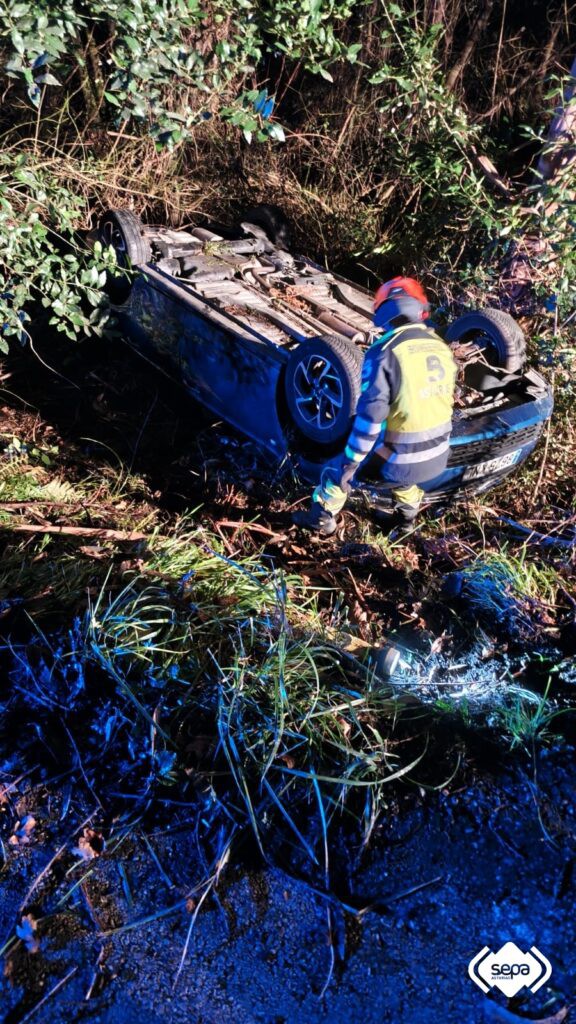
(193,657)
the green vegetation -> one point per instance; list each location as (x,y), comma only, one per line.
(371,124)
(175,658)
(211,648)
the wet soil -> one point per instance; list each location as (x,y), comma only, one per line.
(486,859)
(445,875)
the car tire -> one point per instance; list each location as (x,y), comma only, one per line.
(496,333)
(322,388)
(272,220)
(124,231)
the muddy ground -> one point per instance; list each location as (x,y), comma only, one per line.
(485,859)
(445,875)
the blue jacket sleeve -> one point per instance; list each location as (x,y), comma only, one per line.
(378,387)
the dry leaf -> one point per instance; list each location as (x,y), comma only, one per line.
(344,725)
(23,831)
(26,931)
(90,845)
(93,552)
(410,558)
(357,613)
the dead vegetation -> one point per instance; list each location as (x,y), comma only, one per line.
(205,666)
(185,677)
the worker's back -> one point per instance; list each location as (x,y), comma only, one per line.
(418,371)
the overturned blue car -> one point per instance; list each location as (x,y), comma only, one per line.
(273,344)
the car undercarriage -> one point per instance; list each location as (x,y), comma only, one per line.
(273,343)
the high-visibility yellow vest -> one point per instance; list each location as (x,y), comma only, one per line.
(405,409)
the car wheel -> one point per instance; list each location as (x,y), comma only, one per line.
(124,231)
(496,333)
(322,388)
(272,220)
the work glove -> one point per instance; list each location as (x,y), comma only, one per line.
(347,471)
(335,480)
(340,472)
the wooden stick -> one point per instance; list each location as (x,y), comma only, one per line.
(78,531)
(39,501)
(48,995)
(475,33)
(254,527)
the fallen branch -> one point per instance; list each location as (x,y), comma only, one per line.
(535,537)
(470,45)
(79,531)
(254,527)
(361,597)
(491,174)
(7,505)
(48,995)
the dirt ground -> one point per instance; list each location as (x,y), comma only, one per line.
(446,875)
(105,931)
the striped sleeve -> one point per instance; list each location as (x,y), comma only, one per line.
(373,405)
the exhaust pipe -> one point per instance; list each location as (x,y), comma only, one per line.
(340,327)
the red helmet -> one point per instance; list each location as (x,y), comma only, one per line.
(401,300)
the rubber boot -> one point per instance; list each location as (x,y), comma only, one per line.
(316,519)
(390,519)
(406,514)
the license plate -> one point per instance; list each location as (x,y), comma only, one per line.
(492,465)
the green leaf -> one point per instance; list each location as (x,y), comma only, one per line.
(133,45)
(276,131)
(138,108)
(17,41)
(48,79)
(34,95)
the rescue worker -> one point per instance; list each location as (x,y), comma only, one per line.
(404,412)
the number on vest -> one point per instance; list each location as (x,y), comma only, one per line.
(435,369)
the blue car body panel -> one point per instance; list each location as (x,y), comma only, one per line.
(235,373)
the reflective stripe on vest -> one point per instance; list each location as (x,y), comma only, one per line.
(428,434)
(407,458)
